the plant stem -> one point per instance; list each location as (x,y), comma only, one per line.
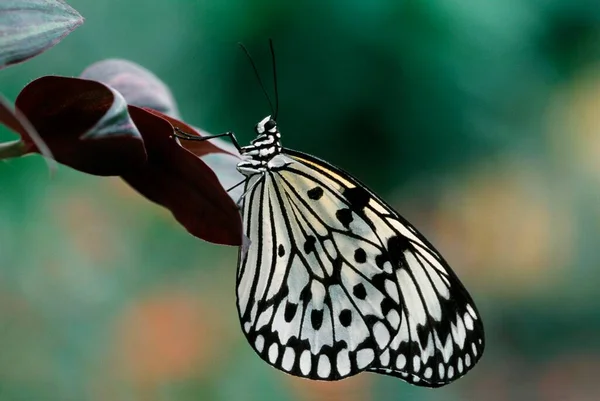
(9,150)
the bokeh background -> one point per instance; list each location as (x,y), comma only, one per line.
(479,121)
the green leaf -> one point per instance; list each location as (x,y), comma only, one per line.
(29,27)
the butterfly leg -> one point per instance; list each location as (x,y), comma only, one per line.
(236,185)
(239,202)
(189,137)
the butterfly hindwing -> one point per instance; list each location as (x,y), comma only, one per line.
(440,336)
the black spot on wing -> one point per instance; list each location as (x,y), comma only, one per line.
(449,308)
(380,260)
(309,245)
(358,197)
(345,217)
(387,305)
(345,317)
(315,194)
(397,245)
(316,319)
(359,291)
(306,295)
(290,312)
(280,250)
(360,256)
(413,348)
(423,332)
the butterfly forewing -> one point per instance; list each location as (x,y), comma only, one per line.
(311,299)
(440,336)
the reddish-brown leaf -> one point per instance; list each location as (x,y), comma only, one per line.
(16,121)
(142,88)
(176,179)
(198,148)
(85,124)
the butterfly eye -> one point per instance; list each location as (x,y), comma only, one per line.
(269,125)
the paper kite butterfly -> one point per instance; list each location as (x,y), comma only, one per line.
(336,282)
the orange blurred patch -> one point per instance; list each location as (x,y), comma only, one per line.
(570,377)
(134,201)
(123,190)
(88,224)
(574,122)
(506,226)
(138,207)
(356,388)
(165,337)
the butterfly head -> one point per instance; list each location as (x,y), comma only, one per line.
(267,133)
(266,126)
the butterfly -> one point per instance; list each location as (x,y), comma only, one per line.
(335,282)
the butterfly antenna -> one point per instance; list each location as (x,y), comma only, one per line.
(258,77)
(274,78)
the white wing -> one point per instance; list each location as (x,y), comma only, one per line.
(441,335)
(336,282)
(304,305)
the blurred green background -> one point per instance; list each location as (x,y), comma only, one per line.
(479,121)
